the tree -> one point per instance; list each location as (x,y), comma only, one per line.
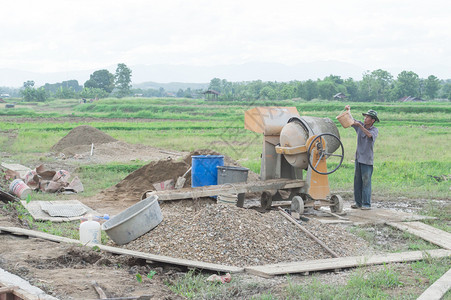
(180,93)
(407,84)
(382,81)
(91,93)
(288,91)
(123,80)
(28,83)
(32,94)
(446,91)
(215,84)
(267,93)
(65,93)
(431,86)
(352,89)
(101,79)
(376,85)
(310,89)
(326,89)
(335,79)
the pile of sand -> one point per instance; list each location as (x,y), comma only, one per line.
(80,136)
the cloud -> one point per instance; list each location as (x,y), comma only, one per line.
(60,35)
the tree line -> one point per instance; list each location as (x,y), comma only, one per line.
(101,84)
(378,85)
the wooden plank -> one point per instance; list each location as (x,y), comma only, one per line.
(214,190)
(116,250)
(293,220)
(268,271)
(7,197)
(438,289)
(426,232)
(21,288)
(99,290)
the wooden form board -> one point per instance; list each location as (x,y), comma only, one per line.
(269,271)
(438,289)
(20,288)
(146,256)
(238,188)
(426,232)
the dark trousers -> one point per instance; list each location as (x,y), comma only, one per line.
(362,184)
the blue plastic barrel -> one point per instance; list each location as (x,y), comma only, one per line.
(204,169)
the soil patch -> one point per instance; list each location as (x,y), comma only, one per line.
(132,187)
(51,270)
(82,135)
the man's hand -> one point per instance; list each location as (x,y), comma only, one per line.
(347,107)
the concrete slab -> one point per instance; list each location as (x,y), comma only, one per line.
(34,208)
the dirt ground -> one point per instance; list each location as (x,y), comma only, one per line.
(67,271)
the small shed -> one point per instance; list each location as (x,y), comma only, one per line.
(410,99)
(211,94)
(339,96)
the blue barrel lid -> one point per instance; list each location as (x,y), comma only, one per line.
(207,156)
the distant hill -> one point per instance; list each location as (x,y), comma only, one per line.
(170,87)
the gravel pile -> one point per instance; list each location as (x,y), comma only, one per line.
(223,234)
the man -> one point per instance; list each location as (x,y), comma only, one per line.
(366,136)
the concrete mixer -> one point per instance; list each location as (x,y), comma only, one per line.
(293,145)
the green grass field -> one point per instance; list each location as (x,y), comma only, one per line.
(412,147)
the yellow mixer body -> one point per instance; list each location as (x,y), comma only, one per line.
(293,144)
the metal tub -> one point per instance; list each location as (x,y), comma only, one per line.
(134,221)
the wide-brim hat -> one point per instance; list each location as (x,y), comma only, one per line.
(372,114)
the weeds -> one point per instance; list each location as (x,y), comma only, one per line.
(361,285)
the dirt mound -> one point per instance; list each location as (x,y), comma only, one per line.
(83,135)
(132,187)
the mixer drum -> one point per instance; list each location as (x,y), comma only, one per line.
(324,125)
(294,134)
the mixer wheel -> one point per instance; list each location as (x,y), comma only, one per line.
(266,200)
(297,204)
(337,204)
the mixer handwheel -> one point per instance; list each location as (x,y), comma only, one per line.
(317,143)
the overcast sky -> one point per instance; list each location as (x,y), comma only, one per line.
(58,35)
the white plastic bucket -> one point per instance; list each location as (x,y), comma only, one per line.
(19,188)
(227,199)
